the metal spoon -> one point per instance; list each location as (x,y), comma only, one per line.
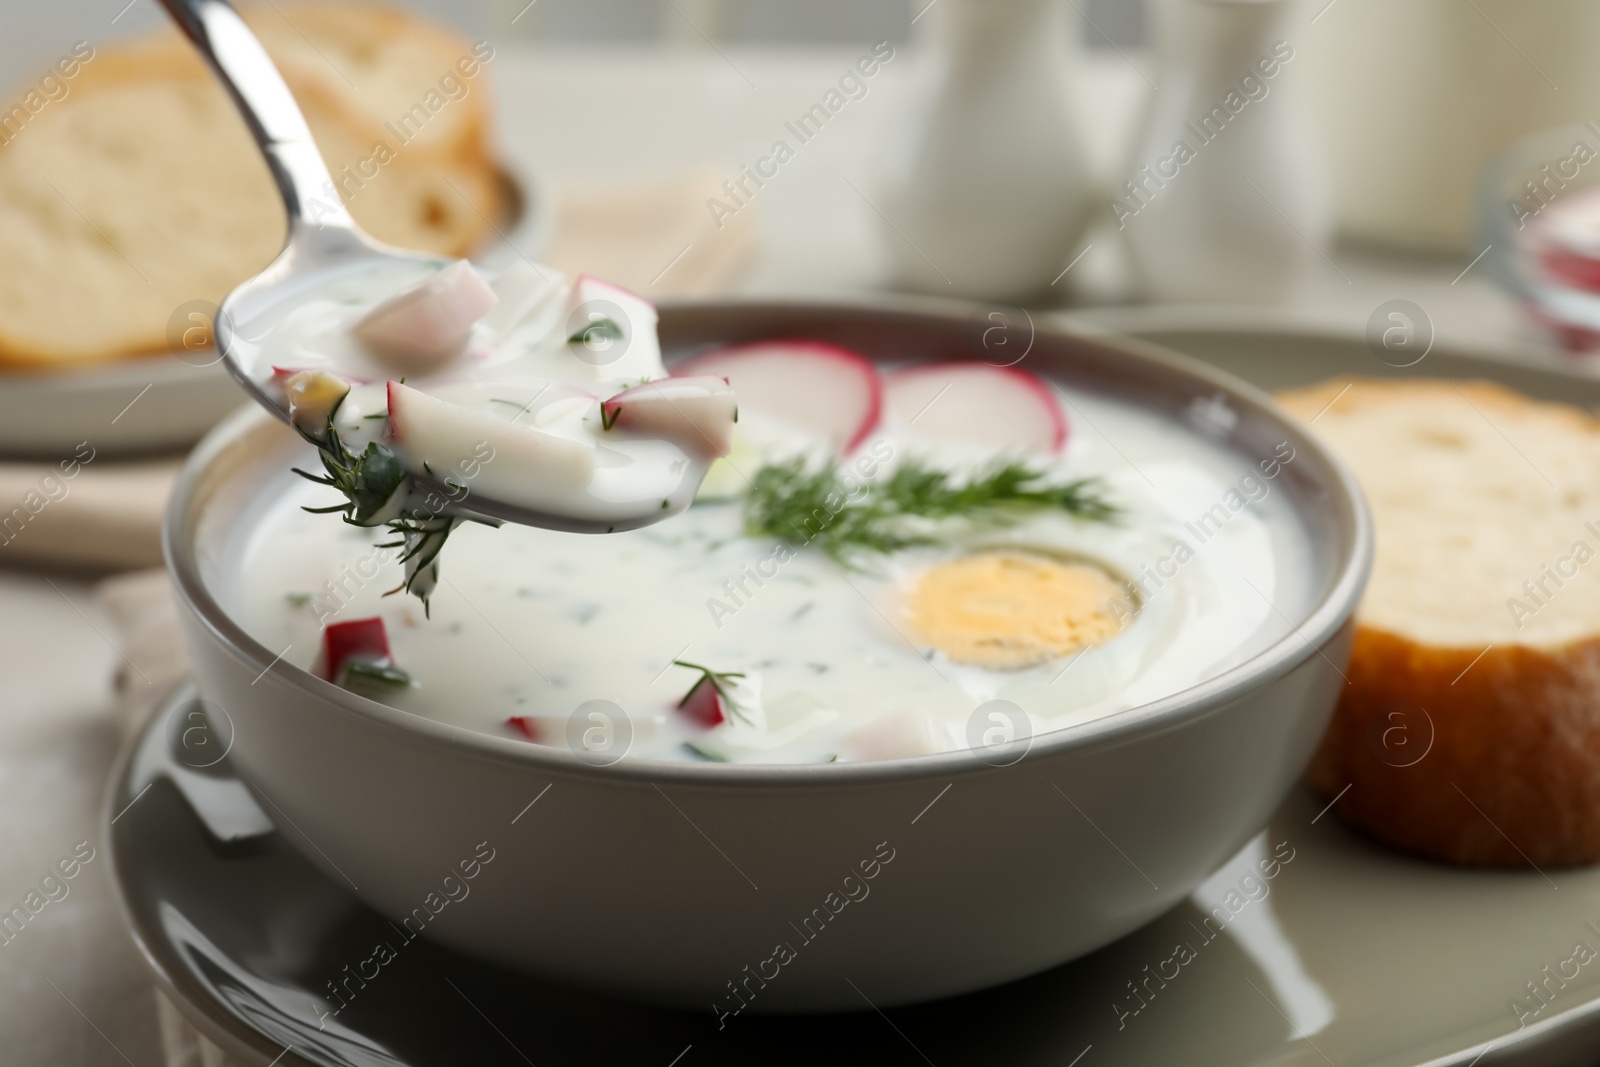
(324,243)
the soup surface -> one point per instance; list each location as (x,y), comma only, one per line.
(738,631)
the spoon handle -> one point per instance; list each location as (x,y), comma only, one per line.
(269,110)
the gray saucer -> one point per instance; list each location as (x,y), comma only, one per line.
(1341,953)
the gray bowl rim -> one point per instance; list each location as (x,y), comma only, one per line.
(1304,639)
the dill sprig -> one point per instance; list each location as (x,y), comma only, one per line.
(818,507)
(377,486)
(717,680)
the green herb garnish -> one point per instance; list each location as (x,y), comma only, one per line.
(385,673)
(818,507)
(376,487)
(603,328)
(717,680)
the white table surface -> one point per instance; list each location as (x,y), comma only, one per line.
(72,990)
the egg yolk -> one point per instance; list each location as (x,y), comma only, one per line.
(1007,609)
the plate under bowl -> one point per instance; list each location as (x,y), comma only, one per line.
(244,936)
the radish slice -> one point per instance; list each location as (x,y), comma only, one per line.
(429,324)
(438,437)
(697,413)
(612,331)
(820,388)
(358,639)
(976,403)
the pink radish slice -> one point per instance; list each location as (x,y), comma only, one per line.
(696,413)
(429,324)
(439,436)
(817,387)
(976,403)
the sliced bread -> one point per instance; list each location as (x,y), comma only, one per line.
(141,193)
(117,208)
(397,77)
(374,66)
(1470,730)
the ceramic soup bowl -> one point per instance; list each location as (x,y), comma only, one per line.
(728,887)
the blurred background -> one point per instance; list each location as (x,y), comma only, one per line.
(647,21)
(1363,168)
(1217,175)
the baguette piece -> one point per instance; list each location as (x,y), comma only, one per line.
(1470,730)
(141,193)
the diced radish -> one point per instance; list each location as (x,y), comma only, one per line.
(358,639)
(717,696)
(813,386)
(312,396)
(704,705)
(439,437)
(697,413)
(526,725)
(636,355)
(978,403)
(429,324)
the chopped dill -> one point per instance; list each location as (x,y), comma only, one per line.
(376,487)
(383,673)
(819,507)
(718,680)
(603,328)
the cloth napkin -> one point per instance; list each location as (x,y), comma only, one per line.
(653,236)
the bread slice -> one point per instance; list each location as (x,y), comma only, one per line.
(373,66)
(397,77)
(141,193)
(1470,728)
(110,219)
